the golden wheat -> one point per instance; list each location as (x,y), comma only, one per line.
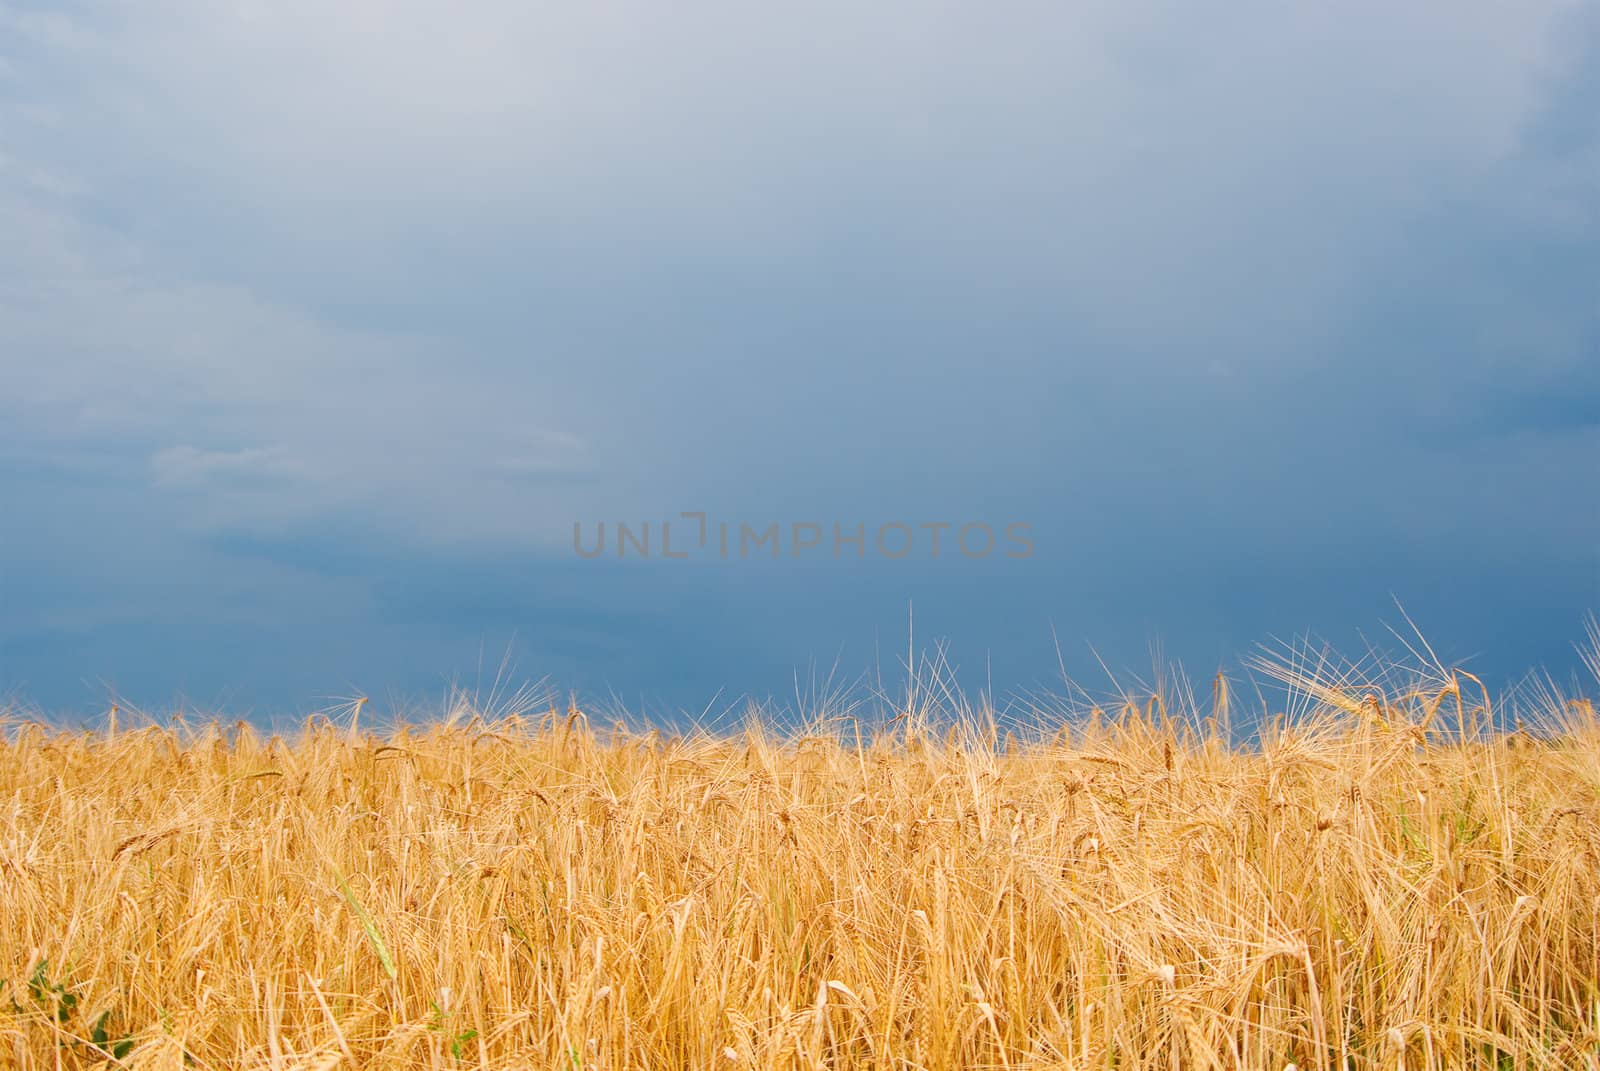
(1381,881)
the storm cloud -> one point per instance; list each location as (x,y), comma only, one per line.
(321,326)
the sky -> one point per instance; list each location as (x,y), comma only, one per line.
(323,326)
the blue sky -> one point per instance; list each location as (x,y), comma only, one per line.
(320,327)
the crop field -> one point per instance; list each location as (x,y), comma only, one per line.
(1391,869)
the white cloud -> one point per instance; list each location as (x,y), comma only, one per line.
(189,466)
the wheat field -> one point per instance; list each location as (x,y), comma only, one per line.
(1388,874)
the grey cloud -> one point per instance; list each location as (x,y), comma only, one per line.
(1220,291)
(103,355)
